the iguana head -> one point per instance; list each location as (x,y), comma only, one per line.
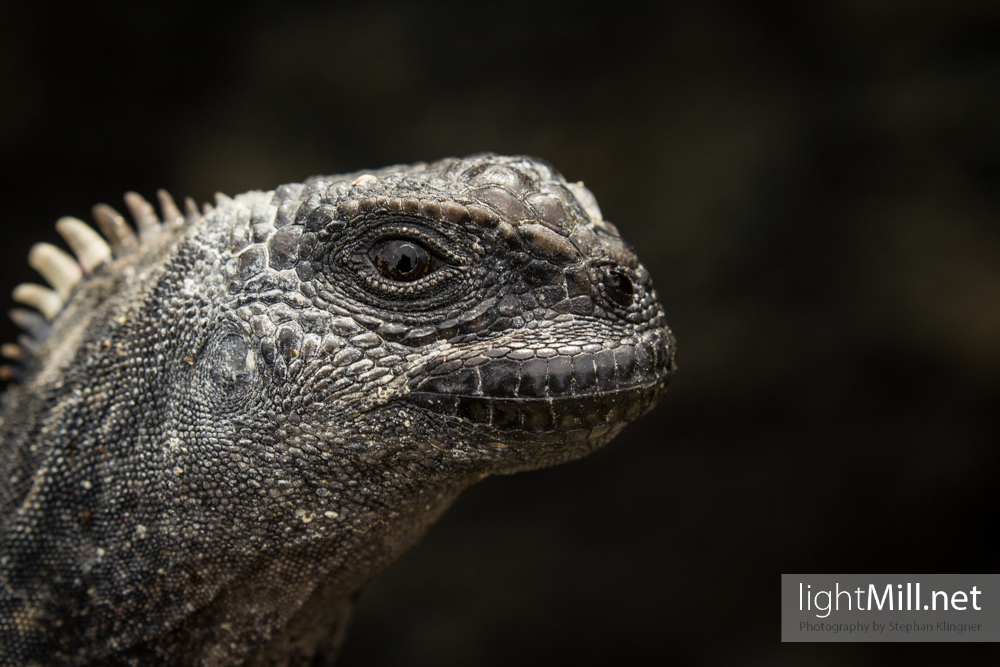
(453,319)
(476,313)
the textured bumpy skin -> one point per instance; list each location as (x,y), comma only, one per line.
(241,417)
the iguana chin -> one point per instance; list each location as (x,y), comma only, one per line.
(230,421)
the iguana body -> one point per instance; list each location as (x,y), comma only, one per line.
(242,416)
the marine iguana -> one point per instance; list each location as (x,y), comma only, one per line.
(230,421)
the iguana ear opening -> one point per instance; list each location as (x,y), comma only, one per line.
(226,372)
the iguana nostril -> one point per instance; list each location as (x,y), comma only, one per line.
(619,288)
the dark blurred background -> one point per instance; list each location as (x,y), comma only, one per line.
(815,188)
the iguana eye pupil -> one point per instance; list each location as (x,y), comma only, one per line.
(401,260)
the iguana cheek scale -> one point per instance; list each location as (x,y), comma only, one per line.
(228,421)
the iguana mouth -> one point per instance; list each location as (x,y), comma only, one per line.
(570,396)
(546,420)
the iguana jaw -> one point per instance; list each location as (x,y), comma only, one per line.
(563,399)
(545,421)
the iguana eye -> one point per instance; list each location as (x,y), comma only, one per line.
(401,259)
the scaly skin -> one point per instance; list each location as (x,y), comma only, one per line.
(235,424)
